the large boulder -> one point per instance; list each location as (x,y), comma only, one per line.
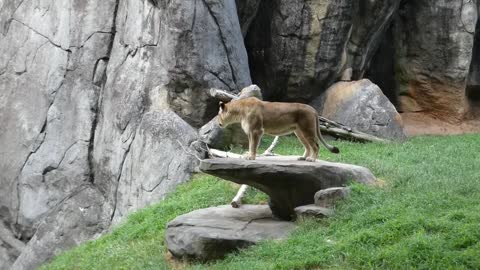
(213,232)
(288,182)
(362,106)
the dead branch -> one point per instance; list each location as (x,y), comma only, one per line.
(269,151)
(222,95)
(237,200)
(351,135)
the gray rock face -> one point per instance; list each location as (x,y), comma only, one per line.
(362,106)
(328,197)
(47,104)
(289,183)
(151,162)
(99,93)
(432,66)
(213,232)
(82,216)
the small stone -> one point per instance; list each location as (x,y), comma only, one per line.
(313,210)
(328,197)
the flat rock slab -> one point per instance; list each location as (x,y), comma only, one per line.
(211,233)
(288,182)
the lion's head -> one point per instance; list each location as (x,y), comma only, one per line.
(226,115)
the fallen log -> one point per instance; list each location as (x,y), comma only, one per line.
(222,95)
(350,135)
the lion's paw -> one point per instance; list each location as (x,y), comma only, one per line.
(247,156)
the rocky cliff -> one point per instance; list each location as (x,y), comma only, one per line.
(100,101)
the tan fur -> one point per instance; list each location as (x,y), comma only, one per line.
(274,118)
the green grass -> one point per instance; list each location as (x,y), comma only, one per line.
(427,216)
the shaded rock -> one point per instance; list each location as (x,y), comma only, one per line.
(370,22)
(247,10)
(312,210)
(432,66)
(473,82)
(213,232)
(328,197)
(288,182)
(298,48)
(362,106)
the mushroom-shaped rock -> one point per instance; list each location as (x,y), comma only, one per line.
(288,182)
(213,232)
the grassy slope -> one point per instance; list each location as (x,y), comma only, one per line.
(427,216)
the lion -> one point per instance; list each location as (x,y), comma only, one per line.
(275,118)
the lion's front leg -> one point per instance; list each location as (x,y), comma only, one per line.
(253,142)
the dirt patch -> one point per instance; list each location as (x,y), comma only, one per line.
(423,124)
(174,263)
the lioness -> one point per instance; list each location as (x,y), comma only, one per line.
(274,118)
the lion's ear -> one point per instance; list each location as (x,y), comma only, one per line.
(222,105)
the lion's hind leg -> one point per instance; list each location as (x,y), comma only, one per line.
(305,143)
(310,141)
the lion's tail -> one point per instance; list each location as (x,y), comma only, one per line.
(331,148)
